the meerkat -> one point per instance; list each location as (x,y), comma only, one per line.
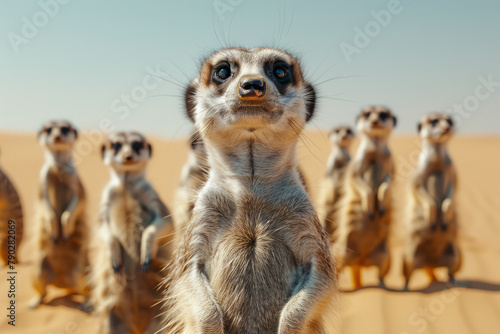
(11,221)
(254,258)
(341,138)
(365,217)
(193,178)
(61,227)
(127,258)
(433,223)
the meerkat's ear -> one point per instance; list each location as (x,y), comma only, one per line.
(103,149)
(310,98)
(189,99)
(419,127)
(150,149)
(395,120)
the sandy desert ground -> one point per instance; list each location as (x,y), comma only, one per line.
(473,306)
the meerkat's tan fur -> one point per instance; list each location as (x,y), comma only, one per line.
(61,258)
(11,221)
(127,253)
(365,216)
(254,258)
(341,138)
(433,224)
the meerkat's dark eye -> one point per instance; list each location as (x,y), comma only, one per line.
(222,72)
(137,146)
(434,121)
(337,131)
(65,130)
(450,121)
(383,115)
(349,132)
(280,71)
(116,147)
(366,115)
(48,130)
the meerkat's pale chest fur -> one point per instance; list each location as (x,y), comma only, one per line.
(365,217)
(11,221)
(127,258)
(254,258)
(62,231)
(332,185)
(432,223)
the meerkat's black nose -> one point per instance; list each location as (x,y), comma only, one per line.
(252,88)
(128,158)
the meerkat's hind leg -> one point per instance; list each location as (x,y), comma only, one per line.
(41,292)
(356,276)
(430,273)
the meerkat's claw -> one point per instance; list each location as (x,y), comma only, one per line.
(146,264)
(116,267)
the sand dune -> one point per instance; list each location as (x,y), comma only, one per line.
(471,307)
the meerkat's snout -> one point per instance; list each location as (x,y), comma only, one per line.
(436,127)
(126,151)
(252,88)
(342,136)
(376,120)
(57,135)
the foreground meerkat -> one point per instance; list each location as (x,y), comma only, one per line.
(127,258)
(254,258)
(11,221)
(365,217)
(62,231)
(341,138)
(433,223)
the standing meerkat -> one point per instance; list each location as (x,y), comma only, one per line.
(193,178)
(365,217)
(11,221)
(341,138)
(433,223)
(61,227)
(254,258)
(127,258)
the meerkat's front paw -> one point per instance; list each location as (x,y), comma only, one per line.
(149,246)
(68,226)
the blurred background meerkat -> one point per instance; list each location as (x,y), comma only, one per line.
(433,223)
(127,258)
(365,216)
(62,232)
(341,138)
(193,178)
(11,221)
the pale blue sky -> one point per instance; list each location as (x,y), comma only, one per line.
(85,58)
